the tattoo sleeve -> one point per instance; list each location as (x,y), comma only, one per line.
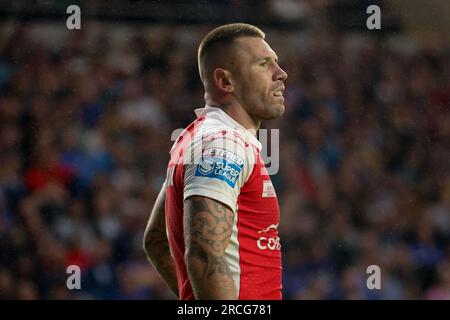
(207,230)
(156,244)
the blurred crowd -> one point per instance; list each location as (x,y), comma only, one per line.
(85,131)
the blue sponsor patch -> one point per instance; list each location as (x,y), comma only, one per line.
(220,168)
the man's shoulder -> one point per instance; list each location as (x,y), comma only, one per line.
(211,134)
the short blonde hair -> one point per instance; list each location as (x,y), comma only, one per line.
(216,44)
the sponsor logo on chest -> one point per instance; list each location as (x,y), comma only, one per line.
(268,238)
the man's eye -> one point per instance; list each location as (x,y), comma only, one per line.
(263,64)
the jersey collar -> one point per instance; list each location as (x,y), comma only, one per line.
(229,121)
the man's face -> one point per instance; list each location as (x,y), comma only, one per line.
(258,79)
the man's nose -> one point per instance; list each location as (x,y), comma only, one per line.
(280,74)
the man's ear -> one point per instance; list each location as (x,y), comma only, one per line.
(222,80)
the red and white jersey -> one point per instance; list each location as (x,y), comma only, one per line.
(216,157)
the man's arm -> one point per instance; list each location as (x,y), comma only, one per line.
(207,230)
(156,244)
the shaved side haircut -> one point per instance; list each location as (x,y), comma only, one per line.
(216,48)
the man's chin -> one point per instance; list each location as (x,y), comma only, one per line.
(275,112)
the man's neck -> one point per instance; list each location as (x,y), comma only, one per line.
(239,114)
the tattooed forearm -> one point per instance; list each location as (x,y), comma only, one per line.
(207,230)
(156,245)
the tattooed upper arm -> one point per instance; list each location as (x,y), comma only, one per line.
(208,226)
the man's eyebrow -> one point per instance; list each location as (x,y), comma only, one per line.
(269,58)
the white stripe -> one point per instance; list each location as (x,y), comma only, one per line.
(232,255)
